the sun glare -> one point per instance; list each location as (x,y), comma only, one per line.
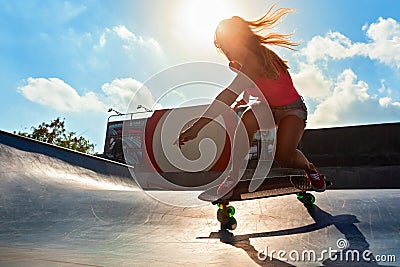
(199,18)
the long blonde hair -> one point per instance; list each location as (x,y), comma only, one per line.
(249,35)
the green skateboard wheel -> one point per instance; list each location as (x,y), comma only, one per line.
(230,210)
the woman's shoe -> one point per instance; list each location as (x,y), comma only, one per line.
(317,181)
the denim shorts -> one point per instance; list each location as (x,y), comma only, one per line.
(296,108)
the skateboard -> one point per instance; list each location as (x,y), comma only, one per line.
(269,187)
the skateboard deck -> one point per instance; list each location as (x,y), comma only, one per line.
(270,187)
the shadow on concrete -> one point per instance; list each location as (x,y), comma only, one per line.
(355,241)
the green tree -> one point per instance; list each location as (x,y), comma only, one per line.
(56,134)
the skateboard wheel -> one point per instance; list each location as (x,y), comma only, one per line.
(230,210)
(222,216)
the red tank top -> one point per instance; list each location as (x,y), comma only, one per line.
(277,92)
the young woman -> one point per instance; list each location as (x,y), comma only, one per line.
(247,50)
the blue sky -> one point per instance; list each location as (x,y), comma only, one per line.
(75,59)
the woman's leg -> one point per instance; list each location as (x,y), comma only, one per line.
(241,144)
(242,141)
(290,131)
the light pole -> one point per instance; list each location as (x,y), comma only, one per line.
(116,111)
(143,107)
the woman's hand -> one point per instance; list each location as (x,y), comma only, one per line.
(187,135)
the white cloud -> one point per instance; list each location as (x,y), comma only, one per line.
(121,36)
(130,40)
(350,103)
(311,82)
(333,45)
(383,87)
(125,34)
(102,40)
(385,101)
(383,44)
(55,94)
(388,102)
(126,94)
(345,92)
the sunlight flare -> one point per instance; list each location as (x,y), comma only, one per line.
(199,18)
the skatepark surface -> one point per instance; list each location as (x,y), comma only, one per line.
(57,213)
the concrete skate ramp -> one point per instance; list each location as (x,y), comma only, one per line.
(57,213)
